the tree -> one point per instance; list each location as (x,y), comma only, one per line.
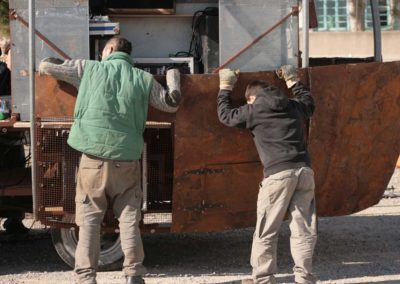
(357,15)
(4,19)
(394,14)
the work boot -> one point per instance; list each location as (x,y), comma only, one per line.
(134,280)
(247,281)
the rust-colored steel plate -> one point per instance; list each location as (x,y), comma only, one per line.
(354,144)
(54,98)
(216,169)
(355,134)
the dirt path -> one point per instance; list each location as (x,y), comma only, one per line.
(361,248)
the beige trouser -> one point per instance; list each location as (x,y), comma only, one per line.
(292,192)
(101,181)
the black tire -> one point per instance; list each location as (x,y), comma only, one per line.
(66,239)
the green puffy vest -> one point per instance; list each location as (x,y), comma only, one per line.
(111,109)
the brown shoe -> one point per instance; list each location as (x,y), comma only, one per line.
(247,281)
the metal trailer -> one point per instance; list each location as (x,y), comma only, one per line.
(197,174)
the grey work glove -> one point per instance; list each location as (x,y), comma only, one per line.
(51,60)
(174,87)
(227,79)
(289,74)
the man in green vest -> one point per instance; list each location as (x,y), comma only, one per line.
(109,121)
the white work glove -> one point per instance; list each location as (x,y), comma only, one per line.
(174,86)
(289,74)
(43,64)
(227,79)
(53,60)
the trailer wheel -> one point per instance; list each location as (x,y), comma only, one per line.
(66,239)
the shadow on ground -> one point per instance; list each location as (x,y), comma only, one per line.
(32,252)
(348,247)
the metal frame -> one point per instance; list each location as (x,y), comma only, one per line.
(377,30)
(32,58)
(167,60)
(144,178)
(306,24)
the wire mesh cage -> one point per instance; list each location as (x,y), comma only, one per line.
(57,168)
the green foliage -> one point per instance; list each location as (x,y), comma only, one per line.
(4,20)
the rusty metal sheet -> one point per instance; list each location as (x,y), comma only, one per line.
(215,167)
(354,144)
(57,99)
(224,198)
(355,134)
(54,98)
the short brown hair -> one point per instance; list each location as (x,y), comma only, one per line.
(120,44)
(255,87)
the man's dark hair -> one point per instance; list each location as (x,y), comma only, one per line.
(120,44)
(255,87)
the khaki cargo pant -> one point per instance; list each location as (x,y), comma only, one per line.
(292,192)
(101,181)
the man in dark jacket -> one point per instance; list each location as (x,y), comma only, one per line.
(277,125)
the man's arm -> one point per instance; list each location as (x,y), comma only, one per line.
(232,117)
(303,98)
(167,100)
(70,71)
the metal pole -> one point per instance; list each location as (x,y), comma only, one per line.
(32,58)
(144,178)
(306,24)
(377,30)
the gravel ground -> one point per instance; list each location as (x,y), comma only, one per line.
(361,248)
